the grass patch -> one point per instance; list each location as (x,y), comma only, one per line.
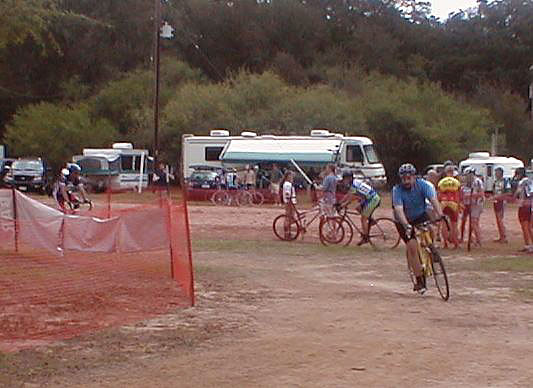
(273,248)
(506,264)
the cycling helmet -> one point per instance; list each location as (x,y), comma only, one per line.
(73,167)
(347,174)
(406,169)
(470,170)
(448,163)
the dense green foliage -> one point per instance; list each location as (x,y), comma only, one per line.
(383,68)
(57,132)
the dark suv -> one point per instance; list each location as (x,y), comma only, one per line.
(28,175)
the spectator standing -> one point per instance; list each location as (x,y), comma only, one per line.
(524,194)
(249,177)
(275,179)
(500,190)
(289,200)
(474,196)
(329,188)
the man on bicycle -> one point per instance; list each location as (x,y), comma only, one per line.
(368,200)
(409,208)
(68,183)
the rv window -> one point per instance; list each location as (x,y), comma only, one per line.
(371,155)
(489,171)
(114,165)
(127,163)
(354,154)
(138,163)
(90,164)
(213,153)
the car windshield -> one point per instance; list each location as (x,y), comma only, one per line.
(199,176)
(371,155)
(27,165)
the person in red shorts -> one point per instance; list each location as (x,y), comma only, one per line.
(448,194)
(524,195)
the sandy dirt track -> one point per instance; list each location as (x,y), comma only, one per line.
(296,314)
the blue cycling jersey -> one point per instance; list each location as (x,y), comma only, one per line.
(413,200)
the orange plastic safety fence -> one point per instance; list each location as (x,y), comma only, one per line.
(61,276)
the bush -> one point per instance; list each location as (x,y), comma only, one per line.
(56,132)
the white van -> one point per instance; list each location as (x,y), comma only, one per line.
(319,148)
(484,165)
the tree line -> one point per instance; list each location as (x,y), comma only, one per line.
(381,67)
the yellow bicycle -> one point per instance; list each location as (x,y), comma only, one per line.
(430,259)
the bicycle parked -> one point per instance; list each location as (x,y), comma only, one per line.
(330,229)
(430,259)
(237,197)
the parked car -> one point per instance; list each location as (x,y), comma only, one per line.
(5,165)
(28,174)
(203,179)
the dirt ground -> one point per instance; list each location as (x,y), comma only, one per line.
(271,313)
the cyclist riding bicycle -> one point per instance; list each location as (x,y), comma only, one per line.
(409,208)
(68,183)
(368,199)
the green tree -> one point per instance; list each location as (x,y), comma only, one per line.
(56,132)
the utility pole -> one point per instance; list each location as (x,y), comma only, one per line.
(530,106)
(157,26)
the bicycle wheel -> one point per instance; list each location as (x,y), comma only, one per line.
(439,274)
(284,230)
(220,198)
(348,232)
(383,233)
(330,230)
(257,198)
(244,198)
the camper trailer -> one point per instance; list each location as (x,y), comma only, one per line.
(120,167)
(319,148)
(484,165)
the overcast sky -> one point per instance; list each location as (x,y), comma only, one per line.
(441,8)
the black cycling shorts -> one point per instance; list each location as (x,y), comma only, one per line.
(403,233)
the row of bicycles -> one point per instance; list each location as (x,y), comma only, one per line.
(237,197)
(341,228)
(338,229)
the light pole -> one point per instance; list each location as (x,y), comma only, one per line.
(530,106)
(157,26)
(160,31)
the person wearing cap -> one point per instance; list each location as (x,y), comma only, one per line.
(473,194)
(524,195)
(500,193)
(368,200)
(449,198)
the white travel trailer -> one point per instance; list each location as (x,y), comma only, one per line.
(122,167)
(484,165)
(319,148)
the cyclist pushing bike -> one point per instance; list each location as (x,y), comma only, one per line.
(68,183)
(368,200)
(409,208)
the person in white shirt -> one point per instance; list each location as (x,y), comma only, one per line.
(289,199)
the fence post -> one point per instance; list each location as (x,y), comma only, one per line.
(15,220)
(189,247)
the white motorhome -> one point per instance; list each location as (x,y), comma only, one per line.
(319,148)
(484,165)
(122,167)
